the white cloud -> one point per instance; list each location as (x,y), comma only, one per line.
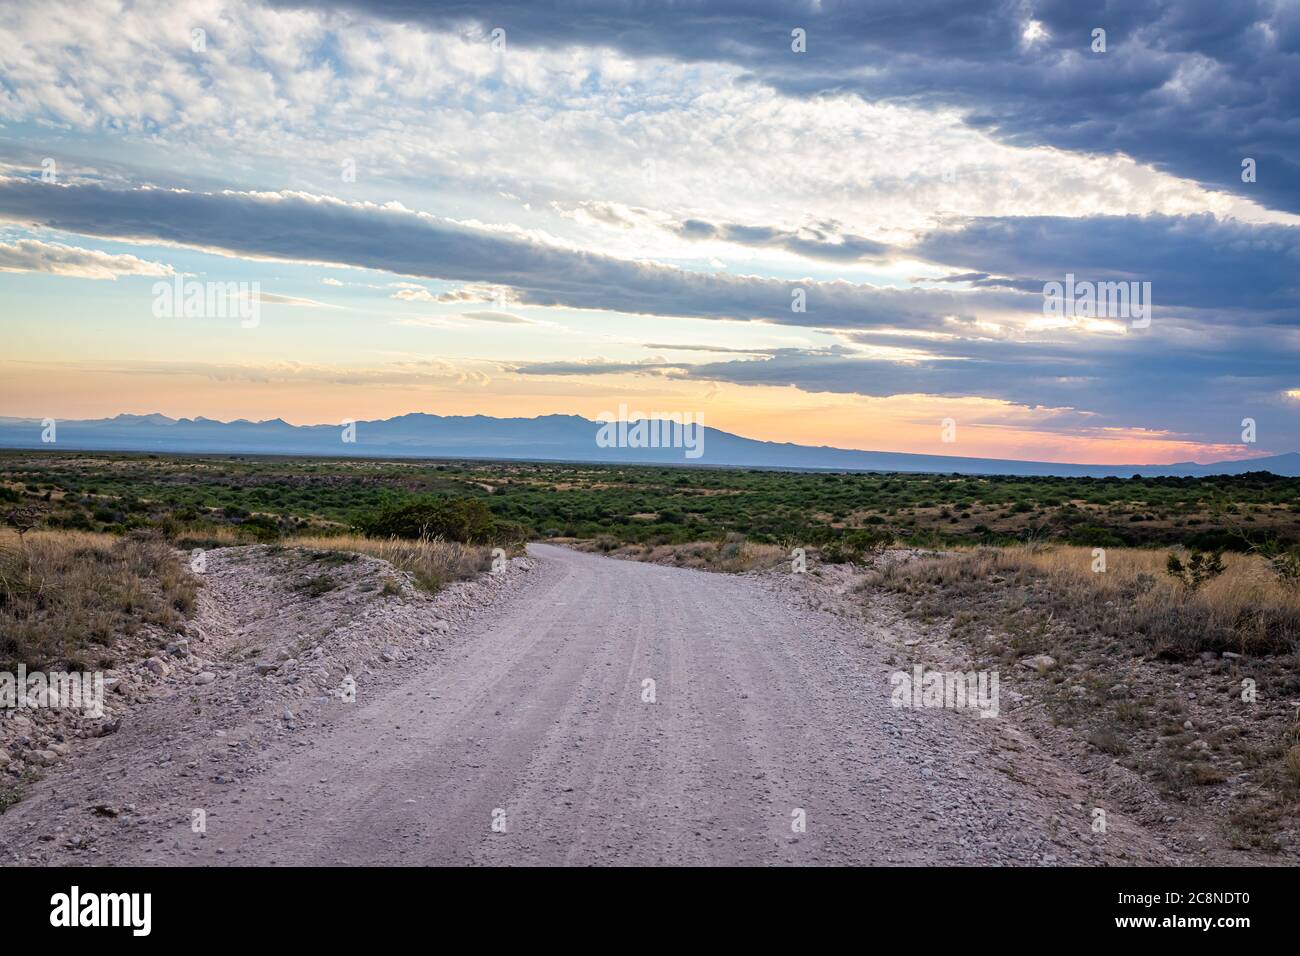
(661,139)
(32,255)
(273,298)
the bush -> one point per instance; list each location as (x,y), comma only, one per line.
(853,547)
(1091,536)
(76,521)
(1198,569)
(263,528)
(465,520)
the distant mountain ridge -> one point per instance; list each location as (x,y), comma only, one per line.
(545,438)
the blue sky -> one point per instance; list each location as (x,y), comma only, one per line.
(527,208)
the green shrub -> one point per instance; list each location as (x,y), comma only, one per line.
(1198,569)
(1086,535)
(466,520)
(262,528)
(854,546)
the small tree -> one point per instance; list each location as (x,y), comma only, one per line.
(1200,567)
(23,519)
(467,520)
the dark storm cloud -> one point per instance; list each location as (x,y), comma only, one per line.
(1191,261)
(295,226)
(1190,86)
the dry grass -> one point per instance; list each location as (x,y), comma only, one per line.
(1134,682)
(66,597)
(734,554)
(1247,609)
(1292,763)
(431,562)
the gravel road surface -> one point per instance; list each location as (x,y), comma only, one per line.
(535,738)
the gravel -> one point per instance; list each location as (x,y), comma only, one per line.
(574,710)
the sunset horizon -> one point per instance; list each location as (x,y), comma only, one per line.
(351,210)
(1229,453)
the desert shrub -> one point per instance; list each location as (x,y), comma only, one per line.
(262,528)
(1197,570)
(1091,536)
(1216,540)
(75,521)
(465,520)
(9,795)
(24,518)
(854,547)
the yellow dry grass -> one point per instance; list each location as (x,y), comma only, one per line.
(732,555)
(66,596)
(431,562)
(1247,601)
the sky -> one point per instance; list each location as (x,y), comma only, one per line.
(830,223)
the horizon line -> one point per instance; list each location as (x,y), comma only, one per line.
(596,421)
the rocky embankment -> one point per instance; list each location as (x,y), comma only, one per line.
(282,639)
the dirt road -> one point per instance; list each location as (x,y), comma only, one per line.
(536,739)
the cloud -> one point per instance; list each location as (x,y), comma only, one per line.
(32,255)
(946,341)
(1196,261)
(705,348)
(1103,381)
(502,317)
(562,123)
(1170,66)
(416,295)
(397,374)
(272,298)
(594,367)
(824,242)
(307,228)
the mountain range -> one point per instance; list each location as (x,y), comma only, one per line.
(569,438)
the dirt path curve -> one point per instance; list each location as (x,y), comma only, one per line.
(536,720)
